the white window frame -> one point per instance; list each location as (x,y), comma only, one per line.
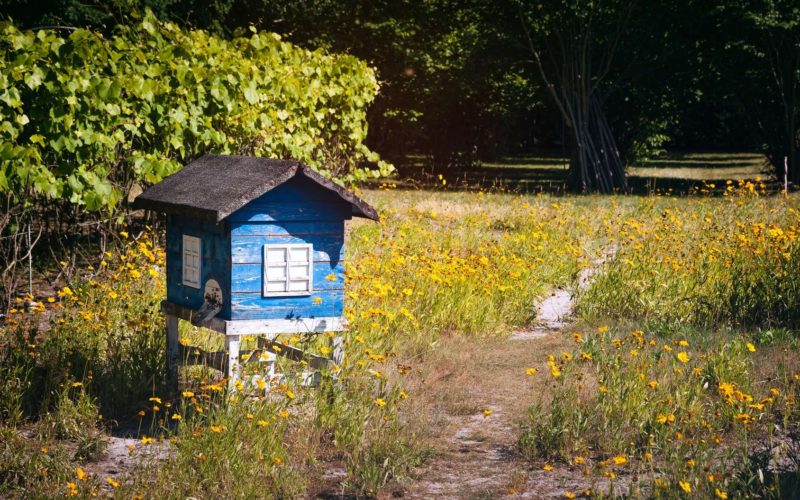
(192,252)
(287,265)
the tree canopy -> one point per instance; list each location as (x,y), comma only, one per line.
(608,81)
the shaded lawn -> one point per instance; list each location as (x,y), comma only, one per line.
(678,172)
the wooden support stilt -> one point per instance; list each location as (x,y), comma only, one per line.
(232,343)
(337,349)
(173,355)
(228,361)
(272,359)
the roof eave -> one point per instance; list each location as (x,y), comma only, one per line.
(141,203)
(360,207)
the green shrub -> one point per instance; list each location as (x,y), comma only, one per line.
(84,118)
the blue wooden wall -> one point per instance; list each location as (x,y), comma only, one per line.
(298,211)
(215,261)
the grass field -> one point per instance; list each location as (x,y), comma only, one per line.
(676,376)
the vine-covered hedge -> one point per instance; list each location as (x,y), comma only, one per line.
(83,118)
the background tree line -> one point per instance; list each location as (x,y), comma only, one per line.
(603,82)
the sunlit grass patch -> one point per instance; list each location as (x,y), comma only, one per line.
(666,414)
(463,264)
(730,261)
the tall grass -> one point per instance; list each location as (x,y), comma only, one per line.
(709,262)
(463,264)
(670,417)
(91,359)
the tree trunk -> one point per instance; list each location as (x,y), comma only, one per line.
(595,164)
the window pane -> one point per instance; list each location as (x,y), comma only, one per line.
(276,273)
(276,255)
(298,286)
(299,255)
(298,272)
(276,286)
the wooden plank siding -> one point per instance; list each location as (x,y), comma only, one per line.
(299,199)
(215,261)
(286,228)
(247,300)
(250,277)
(256,306)
(250,249)
(299,211)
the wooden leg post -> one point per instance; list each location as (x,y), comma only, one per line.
(232,343)
(337,347)
(173,355)
(269,357)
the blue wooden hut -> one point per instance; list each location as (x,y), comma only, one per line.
(255,246)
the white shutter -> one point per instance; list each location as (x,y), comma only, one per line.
(288,269)
(192,256)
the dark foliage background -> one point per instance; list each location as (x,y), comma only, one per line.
(459,83)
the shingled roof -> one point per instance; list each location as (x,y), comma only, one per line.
(214,186)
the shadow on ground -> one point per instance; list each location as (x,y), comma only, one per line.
(677,173)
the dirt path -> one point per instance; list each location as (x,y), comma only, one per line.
(475,451)
(481,395)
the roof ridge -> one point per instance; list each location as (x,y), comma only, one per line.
(202,190)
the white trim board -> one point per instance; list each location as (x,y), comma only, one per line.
(259,326)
